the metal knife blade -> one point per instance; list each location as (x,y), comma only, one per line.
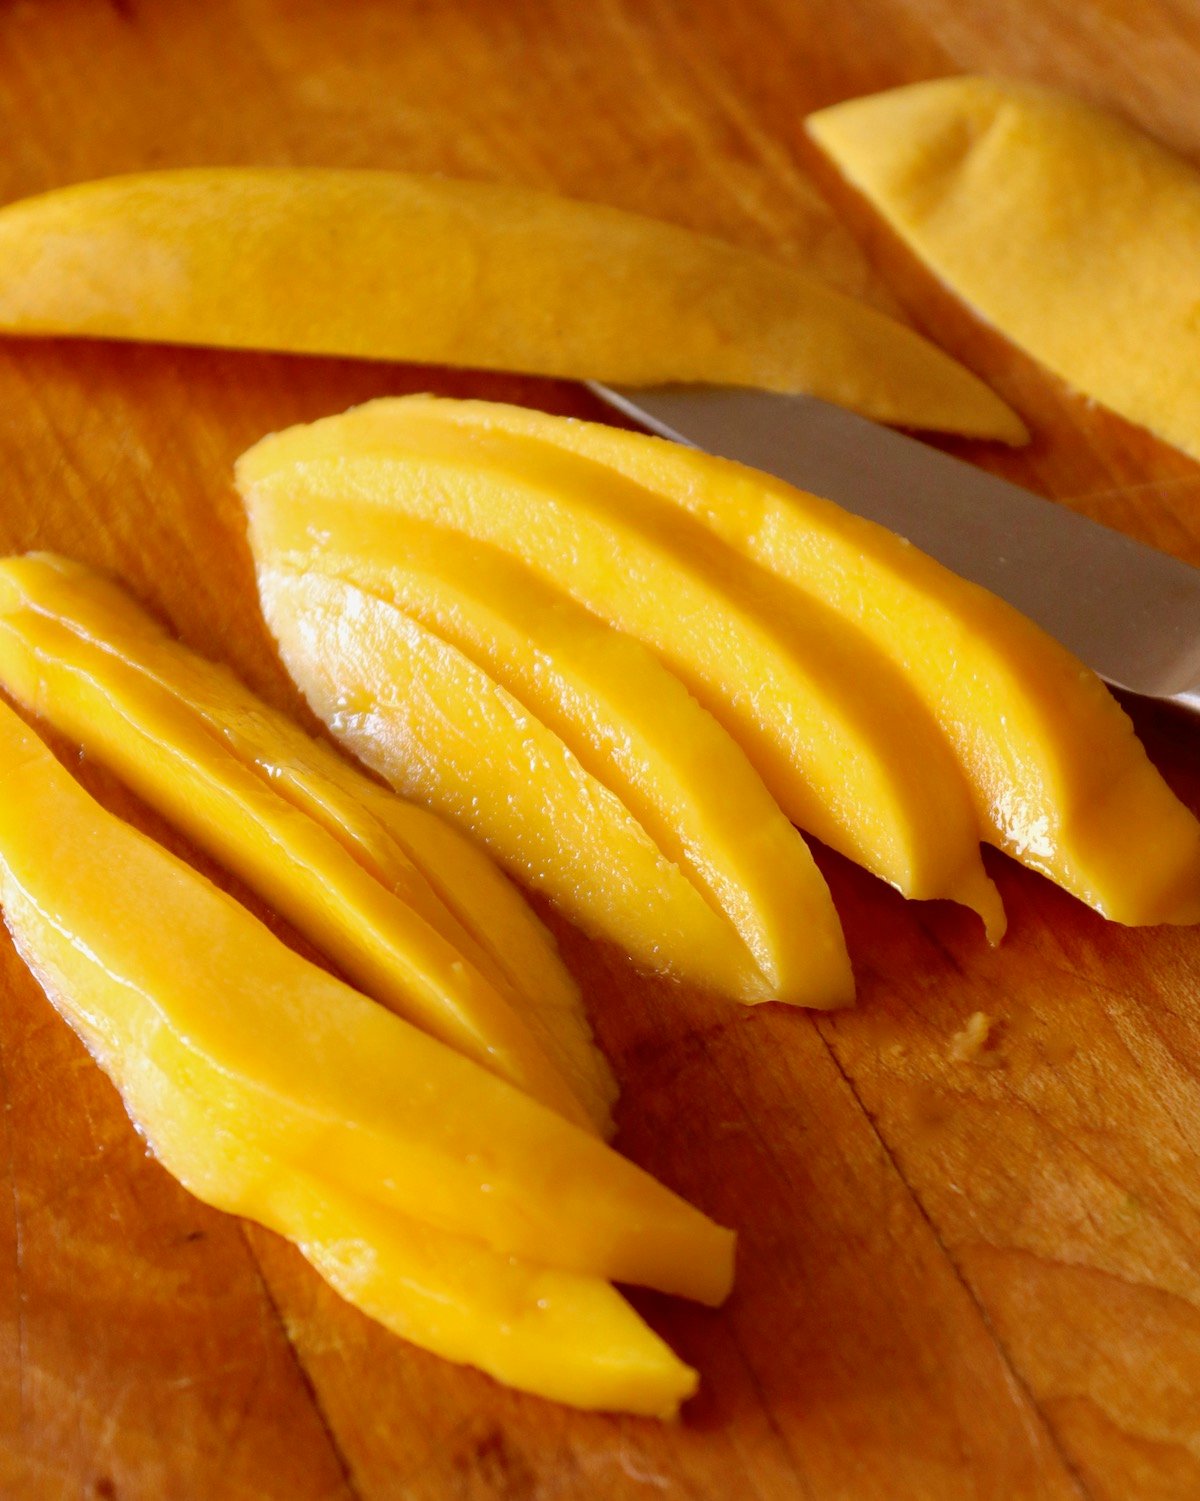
(1130,612)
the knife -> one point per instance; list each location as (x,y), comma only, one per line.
(1130,612)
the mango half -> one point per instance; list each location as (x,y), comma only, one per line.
(389,265)
(836,734)
(1058,777)
(169,979)
(76,651)
(1065,227)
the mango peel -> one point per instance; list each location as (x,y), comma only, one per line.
(387,265)
(1068,229)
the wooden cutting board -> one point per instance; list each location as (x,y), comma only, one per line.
(956,1279)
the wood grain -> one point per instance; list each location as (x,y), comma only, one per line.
(956,1279)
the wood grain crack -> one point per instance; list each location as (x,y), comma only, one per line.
(1013,1376)
(339,1454)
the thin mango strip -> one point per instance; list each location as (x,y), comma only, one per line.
(423,714)
(1066,228)
(310,1072)
(836,734)
(633,726)
(452,886)
(1059,779)
(557,1334)
(382,942)
(387,265)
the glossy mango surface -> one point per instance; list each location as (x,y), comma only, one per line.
(1059,779)
(301,1068)
(87,667)
(836,733)
(390,265)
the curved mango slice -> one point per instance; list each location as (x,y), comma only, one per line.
(1059,778)
(836,734)
(557,1334)
(1066,228)
(423,714)
(632,726)
(387,265)
(75,648)
(166,970)
(403,949)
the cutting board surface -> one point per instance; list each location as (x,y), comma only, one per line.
(957,1280)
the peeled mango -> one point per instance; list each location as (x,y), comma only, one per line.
(1057,776)
(79,653)
(169,979)
(396,266)
(836,734)
(1068,229)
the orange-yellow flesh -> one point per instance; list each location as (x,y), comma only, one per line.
(308,1071)
(1058,776)
(557,1334)
(117,664)
(839,738)
(634,727)
(1068,229)
(389,265)
(440,728)
(382,941)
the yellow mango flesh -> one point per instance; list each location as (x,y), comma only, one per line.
(1070,231)
(449,883)
(166,970)
(558,1334)
(421,713)
(633,726)
(1060,780)
(838,737)
(388,265)
(383,942)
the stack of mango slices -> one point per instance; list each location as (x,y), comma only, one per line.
(431,1142)
(629,669)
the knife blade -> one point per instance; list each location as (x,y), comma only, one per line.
(1130,612)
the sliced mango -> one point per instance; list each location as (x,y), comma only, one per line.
(1060,780)
(557,1334)
(634,727)
(387,265)
(164,971)
(193,741)
(403,949)
(423,714)
(1069,230)
(837,735)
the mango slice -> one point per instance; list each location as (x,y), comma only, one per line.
(385,265)
(557,1334)
(420,712)
(1069,230)
(631,725)
(1060,781)
(193,741)
(839,738)
(400,944)
(163,969)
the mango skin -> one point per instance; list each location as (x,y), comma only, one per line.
(1065,227)
(839,738)
(305,1070)
(1059,779)
(388,265)
(633,726)
(322,842)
